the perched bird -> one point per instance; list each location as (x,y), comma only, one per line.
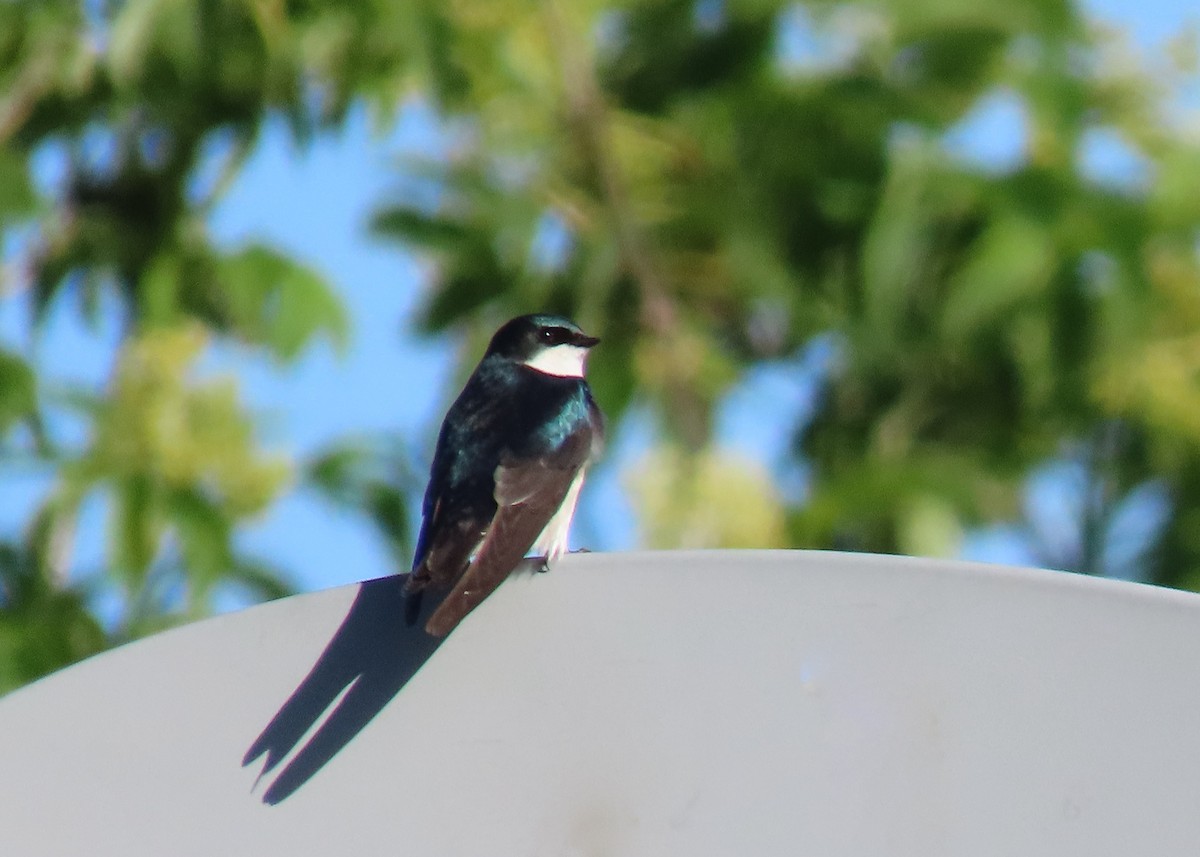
(509,463)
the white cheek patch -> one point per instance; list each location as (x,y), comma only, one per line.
(566,361)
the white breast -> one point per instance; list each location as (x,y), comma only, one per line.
(552,543)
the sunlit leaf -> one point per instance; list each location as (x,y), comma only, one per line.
(278,301)
(204,531)
(711,500)
(1010,264)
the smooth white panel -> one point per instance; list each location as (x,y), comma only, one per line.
(724,703)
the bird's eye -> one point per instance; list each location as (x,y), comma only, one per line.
(553,335)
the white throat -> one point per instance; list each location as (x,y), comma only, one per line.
(565,361)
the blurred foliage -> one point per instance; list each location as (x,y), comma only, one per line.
(178,464)
(706,185)
(44,625)
(372,476)
(710,500)
(147,110)
(718,182)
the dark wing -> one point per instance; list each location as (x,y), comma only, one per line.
(453,523)
(447,553)
(528,493)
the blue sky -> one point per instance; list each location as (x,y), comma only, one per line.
(315,205)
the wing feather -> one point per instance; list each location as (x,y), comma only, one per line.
(443,563)
(528,493)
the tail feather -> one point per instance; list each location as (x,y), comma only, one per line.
(442,565)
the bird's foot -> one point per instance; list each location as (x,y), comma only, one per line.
(542,563)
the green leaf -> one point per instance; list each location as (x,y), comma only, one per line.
(264,581)
(279,302)
(136,528)
(17,197)
(43,627)
(338,473)
(426,231)
(130,36)
(204,532)
(373,477)
(1176,196)
(1011,264)
(18,390)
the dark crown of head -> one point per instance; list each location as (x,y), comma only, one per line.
(525,334)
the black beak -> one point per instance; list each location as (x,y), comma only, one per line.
(583,340)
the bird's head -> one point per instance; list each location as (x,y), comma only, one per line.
(547,343)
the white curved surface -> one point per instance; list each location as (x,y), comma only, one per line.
(735,703)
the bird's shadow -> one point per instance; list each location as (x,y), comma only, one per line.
(374,653)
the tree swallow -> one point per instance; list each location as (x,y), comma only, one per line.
(509,464)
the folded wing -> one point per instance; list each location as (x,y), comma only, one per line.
(528,493)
